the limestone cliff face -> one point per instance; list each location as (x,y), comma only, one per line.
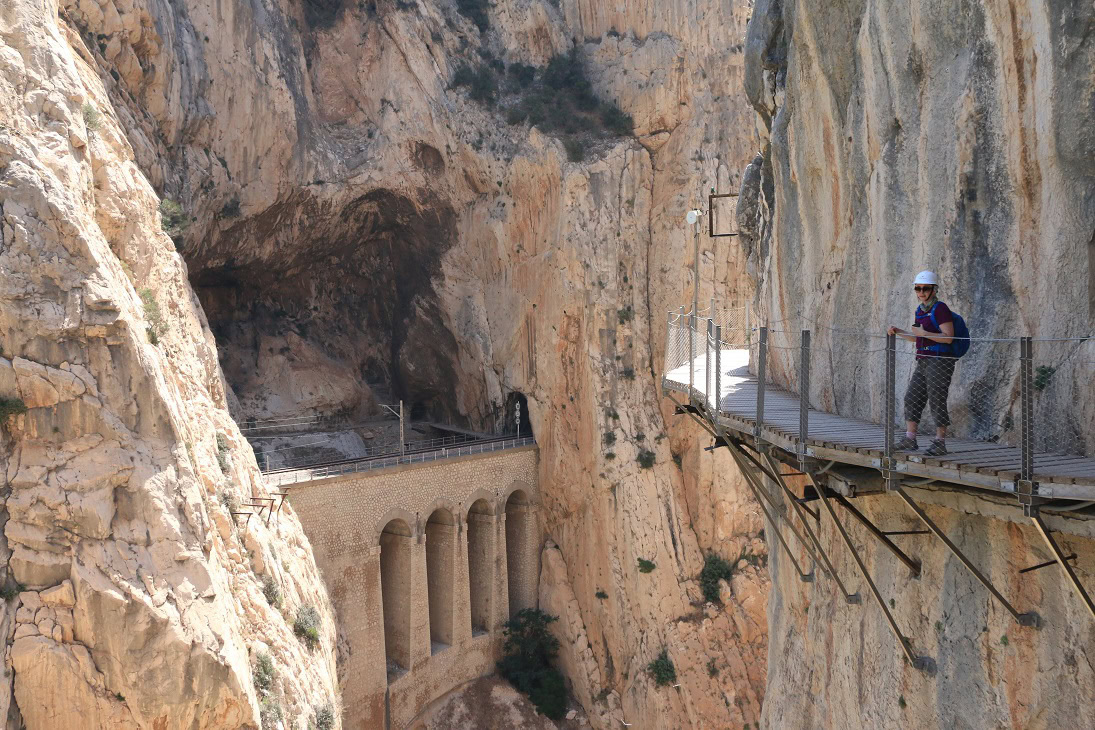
(353,221)
(897,137)
(140,599)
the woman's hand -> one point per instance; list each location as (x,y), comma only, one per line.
(895,331)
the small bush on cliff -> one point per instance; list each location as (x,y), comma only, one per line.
(714,569)
(662,670)
(306,625)
(93,120)
(481,82)
(153,315)
(476,12)
(324,718)
(646,459)
(529,649)
(646,566)
(271,591)
(173,219)
(222,452)
(264,673)
(270,714)
(11,407)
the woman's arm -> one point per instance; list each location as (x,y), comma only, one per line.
(945,335)
(902,333)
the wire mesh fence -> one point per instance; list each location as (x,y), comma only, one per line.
(1009,406)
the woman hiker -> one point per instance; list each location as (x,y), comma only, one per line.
(932,331)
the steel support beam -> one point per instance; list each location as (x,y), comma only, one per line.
(1063,562)
(803,576)
(922,663)
(1023,619)
(911,564)
(826,563)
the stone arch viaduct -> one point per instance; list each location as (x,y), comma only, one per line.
(424,564)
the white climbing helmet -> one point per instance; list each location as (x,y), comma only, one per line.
(926,277)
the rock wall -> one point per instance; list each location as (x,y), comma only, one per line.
(957,137)
(132,597)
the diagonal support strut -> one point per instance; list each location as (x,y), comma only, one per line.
(828,565)
(804,577)
(910,563)
(1023,619)
(1063,561)
(922,663)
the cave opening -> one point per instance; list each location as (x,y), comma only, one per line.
(328,305)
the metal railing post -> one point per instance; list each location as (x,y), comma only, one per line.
(707,363)
(804,399)
(762,366)
(691,355)
(891,406)
(1026,487)
(718,371)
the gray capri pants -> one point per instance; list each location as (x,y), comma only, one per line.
(931,382)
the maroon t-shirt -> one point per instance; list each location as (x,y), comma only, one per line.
(923,319)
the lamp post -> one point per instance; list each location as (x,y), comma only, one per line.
(693,218)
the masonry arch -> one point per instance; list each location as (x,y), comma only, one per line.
(481,546)
(522,559)
(482,495)
(410,519)
(441,535)
(396,555)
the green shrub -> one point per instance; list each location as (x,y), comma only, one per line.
(228,501)
(231,209)
(625,314)
(645,566)
(481,82)
(222,452)
(10,591)
(712,668)
(324,718)
(616,121)
(610,438)
(662,670)
(526,664)
(714,569)
(93,120)
(522,73)
(11,407)
(610,455)
(476,12)
(264,673)
(646,459)
(576,149)
(271,591)
(173,219)
(1042,376)
(152,314)
(270,713)
(628,373)
(306,625)
(602,595)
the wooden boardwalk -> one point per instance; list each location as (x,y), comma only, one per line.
(980,464)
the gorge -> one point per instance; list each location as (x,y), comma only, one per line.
(212,214)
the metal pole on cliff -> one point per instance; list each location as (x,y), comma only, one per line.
(402,448)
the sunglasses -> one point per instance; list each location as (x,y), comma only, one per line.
(923,288)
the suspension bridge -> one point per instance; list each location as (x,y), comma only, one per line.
(787,404)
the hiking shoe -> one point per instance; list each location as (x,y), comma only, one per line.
(906,444)
(938,448)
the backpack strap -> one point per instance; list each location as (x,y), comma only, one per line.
(938,346)
(931,314)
